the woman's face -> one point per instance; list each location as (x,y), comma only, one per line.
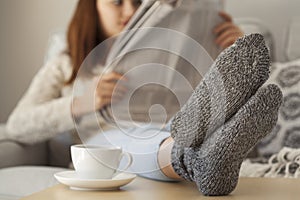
(115,14)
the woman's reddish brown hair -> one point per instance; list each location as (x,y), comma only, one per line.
(84,34)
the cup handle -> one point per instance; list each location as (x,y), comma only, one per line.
(129,156)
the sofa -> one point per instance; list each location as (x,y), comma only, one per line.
(54,152)
(22,163)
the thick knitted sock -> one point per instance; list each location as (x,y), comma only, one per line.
(214,166)
(233,78)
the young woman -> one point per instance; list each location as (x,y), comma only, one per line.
(185,148)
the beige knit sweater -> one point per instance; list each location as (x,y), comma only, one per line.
(45,108)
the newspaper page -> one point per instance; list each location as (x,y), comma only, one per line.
(165,51)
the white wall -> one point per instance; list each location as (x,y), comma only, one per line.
(25,29)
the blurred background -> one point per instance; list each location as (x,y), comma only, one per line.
(27,26)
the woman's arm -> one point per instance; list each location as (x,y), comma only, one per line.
(42,112)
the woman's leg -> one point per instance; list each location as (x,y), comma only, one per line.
(214,166)
(204,150)
(165,160)
(235,76)
(143,143)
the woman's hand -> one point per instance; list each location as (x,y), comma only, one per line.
(102,92)
(227,32)
(108,87)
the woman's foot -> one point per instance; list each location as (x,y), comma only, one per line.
(214,166)
(234,77)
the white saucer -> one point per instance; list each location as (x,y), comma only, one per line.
(71,179)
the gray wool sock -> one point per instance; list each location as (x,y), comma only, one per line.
(214,166)
(234,77)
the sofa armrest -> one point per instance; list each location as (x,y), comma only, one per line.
(13,153)
(59,150)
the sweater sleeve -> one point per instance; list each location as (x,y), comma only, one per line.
(43,112)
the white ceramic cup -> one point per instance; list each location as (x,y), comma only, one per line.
(97,162)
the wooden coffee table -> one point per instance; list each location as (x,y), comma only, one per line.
(144,189)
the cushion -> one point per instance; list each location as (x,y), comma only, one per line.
(13,153)
(287,131)
(293,40)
